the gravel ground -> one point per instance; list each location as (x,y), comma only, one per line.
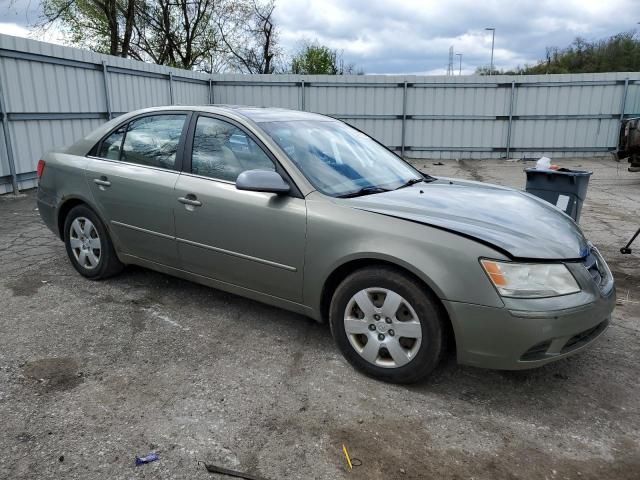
(94,373)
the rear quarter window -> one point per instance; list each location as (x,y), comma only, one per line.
(112,145)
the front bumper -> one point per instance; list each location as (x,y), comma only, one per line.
(512,339)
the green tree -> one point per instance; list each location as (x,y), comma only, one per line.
(618,53)
(316,59)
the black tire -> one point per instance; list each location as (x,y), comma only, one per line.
(429,312)
(108,263)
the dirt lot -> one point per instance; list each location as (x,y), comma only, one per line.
(93,373)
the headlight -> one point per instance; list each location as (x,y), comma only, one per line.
(530,280)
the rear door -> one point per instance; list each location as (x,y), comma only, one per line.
(132,177)
(254,240)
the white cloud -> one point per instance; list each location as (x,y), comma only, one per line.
(49,35)
(411,36)
(14,29)
(390,36)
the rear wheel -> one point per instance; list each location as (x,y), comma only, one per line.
(88,244)
(386,325)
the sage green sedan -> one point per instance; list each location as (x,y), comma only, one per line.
(304,212)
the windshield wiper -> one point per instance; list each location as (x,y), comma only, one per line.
(413,181)
(364,191)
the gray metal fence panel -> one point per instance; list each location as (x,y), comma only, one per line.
(4,165)
(129,92)
(43,87)
(35,137)
(258,90)
(569,100)
(576,135)
(632,105)
(54,95)
(189,93)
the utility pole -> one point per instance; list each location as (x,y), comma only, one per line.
(493,42)
(460,69)
(450,70)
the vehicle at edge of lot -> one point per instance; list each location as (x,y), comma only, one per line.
(304,212)
(629,143)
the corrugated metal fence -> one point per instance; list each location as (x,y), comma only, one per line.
(52,95)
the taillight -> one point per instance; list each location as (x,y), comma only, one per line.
(40,169)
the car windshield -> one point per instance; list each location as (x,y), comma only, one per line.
(339,160)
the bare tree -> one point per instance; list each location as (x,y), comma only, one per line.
(209,35)
(102,25)
(250,37)
(180,33)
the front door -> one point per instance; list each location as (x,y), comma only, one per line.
(132,179)
(254,240)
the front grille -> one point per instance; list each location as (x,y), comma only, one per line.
(583,338)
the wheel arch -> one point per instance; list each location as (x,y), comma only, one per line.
(113,263)
(64,209)
(345,269)
(67,205)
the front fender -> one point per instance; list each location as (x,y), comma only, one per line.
(446,262)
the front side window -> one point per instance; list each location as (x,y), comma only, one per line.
(222,151)
(339,160)
(151,141)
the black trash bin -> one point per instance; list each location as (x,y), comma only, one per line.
(564,188)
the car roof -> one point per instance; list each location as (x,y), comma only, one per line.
(272,114)
(241,113)
(255,114)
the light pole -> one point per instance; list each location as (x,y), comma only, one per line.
(493,42)
(460,70)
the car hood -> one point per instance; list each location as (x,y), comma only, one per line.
(519,224)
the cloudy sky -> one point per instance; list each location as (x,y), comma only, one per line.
(414,36)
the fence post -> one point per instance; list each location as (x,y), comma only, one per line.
(211,102)
(171,87)
(7,142)
(624,100)
(302,102)
(107,94)
(513,90)
(404,117)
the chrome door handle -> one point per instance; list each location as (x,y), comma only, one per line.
(102,182)
(190,201)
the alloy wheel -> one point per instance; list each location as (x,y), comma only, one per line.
(85,243)
(383,327)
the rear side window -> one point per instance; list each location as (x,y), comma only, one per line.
(151,140)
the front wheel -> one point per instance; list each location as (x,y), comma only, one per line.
(386,325)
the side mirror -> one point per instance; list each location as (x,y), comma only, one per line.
(262,181)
